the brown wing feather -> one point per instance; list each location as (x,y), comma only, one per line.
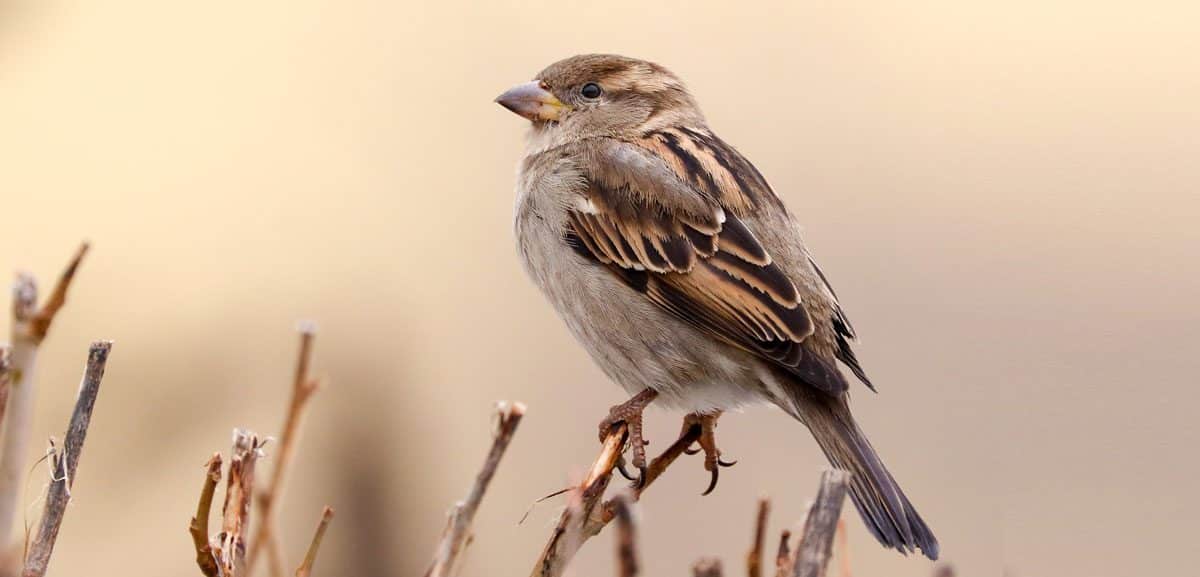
(669,228)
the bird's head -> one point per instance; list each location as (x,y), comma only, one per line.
(602,95)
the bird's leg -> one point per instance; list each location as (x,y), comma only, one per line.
(630,413)
(708,443)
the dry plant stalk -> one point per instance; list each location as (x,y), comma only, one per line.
(266,533)
(944,570)
(230,550)
(754,557)
(816,544)
(199,525)
(310,557)
(29,328)
(707,567)
(458,526)
(5,373)
(576,527)
(843,547)
(783,557)
(64,463)
(627,555)
(572,528)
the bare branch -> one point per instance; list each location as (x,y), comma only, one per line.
(657,467)
(65,463)
(305,568)
(29,328)
(199,524)
(627,555)
(754,557)
(783,558)
(24,305)
(458,528)
(561,547)
(266,533)
(573,526)
(816,545)
(230,550)
(944,570)
(843,547)
(707,567)
(39,323)
(5,374)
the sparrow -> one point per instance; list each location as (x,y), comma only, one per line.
(683,274)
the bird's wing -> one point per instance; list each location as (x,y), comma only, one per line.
(663,217)
(843,331)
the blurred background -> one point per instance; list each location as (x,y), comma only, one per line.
(1004,195)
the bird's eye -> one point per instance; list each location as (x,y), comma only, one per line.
(591,91)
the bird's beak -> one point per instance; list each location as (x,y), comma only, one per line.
(532,101)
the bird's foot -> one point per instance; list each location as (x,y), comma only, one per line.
(708,443)
(630,413)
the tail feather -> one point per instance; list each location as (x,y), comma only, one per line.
(884,508)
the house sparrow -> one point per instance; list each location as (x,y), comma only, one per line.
(682,273)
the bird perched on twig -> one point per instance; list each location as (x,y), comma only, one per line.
(683,274)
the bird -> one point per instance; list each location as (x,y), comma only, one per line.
(677,267)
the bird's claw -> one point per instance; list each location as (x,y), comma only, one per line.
(640,480)
(625,472)
(712,483)
(706,443)
(629,413)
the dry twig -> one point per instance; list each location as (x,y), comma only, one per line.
(458,526)
(627,555)
(30,322)
(230,549)
(573,530)
(754,557)
(29,328)
(310,557)
(707,567)
(199,525)
(816,544)
(843,548)
(266,533)
(573,525)
(5,373)
(944,570)
(64,463)
(783,557)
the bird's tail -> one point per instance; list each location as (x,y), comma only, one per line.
(883,506)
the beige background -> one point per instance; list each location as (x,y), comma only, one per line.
(1004,194)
